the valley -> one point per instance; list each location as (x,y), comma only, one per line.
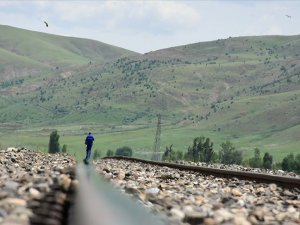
(242,89)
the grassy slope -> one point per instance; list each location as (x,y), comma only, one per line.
(242,89)
(52,51)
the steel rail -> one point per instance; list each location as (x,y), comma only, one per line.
(98,203)
(285,181)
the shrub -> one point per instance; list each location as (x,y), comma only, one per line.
(124,151)
(178,155)
(97,154)
(291,163)
(109,153)
(64,149)
(256,162)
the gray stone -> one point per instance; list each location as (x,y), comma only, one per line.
(3,213)
(177,213)
(20,183)
(11,185)
(153,191)
(288,193)
(34,193)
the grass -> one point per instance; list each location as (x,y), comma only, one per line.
(141,140)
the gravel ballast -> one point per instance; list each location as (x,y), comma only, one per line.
(34,187)
(187,197)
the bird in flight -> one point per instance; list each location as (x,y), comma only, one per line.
(288,16)
(46,23)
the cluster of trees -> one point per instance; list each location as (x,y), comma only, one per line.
(202,151)
(9,83)
(257,162)
(289,163)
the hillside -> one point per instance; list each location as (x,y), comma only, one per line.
(244,89)
(26,52)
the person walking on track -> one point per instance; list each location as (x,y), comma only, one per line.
(88,143)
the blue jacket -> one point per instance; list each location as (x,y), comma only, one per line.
(89,141)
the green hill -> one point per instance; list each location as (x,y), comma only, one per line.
(243,89)
(24,52)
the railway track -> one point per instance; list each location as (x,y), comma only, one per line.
(285,181)
(197,195)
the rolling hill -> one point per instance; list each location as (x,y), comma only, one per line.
(244,89)
(26,52)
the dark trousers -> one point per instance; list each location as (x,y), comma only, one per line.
(88,153)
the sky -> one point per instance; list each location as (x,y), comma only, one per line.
(144,26)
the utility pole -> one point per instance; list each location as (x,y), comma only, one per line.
(156,147)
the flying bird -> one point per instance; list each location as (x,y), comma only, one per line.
(288,16)
(46,23)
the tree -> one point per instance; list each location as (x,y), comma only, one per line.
(229,155)
(289,163)
(64,149)
(267,161)
(207,152)
(189,154)
(109,153)
(215,158)
(255,162)
(178,155)
(168,154)
(297,163)
(197,148)
(54,142)
(124,151)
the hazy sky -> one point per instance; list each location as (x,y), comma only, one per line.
(144,26)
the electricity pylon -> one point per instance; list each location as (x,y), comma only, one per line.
(156,147)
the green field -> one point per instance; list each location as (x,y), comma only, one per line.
(141,140)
